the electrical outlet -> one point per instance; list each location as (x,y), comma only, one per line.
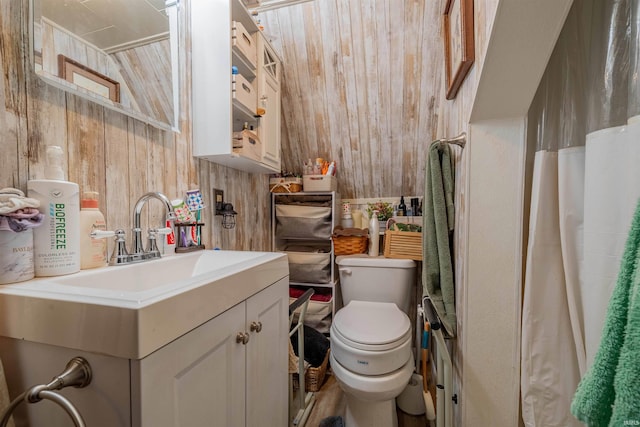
(218,197)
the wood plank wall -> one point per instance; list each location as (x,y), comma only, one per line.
(108,152)
(362,83)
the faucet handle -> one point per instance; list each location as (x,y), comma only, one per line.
(101,234)
(152,246)
(120,254)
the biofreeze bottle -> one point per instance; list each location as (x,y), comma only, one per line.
(56,243)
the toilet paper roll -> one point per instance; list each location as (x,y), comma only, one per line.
(16,256)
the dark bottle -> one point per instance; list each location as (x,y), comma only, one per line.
(402,208)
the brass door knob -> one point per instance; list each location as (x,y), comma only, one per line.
(256,326)
(242,337)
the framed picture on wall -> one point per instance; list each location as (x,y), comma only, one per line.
(83,76)
(458,43)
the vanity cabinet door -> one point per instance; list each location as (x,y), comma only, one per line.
(267,355)
(197,380)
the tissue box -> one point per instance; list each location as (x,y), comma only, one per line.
(319,183)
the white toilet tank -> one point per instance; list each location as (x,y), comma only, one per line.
(379,279)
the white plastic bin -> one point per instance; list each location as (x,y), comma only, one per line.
(319,183)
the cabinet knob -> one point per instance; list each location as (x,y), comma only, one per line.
(242,337)
(256,326)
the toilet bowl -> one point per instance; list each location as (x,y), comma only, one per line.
(371,337)
(371,359)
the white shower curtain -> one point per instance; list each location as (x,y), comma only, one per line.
(586,182)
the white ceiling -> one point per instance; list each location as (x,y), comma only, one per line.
(111,25)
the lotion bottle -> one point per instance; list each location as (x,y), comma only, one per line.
(56,243)
(374,235)
(93,252)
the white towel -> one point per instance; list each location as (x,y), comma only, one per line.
(12,199)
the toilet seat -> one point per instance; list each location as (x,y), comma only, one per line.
(371,338)
(374,326)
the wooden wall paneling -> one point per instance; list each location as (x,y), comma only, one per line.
(385,151)
(293,147)
(137,168)
(12,96)
(317,101)
(305,116)
(371,109)
(352,181)
(47,123)
(358,89)
(115,203)
(412,75)
(85,144)
(157,175)
(170,167)
(398,142)
(337,109)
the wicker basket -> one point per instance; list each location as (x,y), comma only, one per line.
(314,377)
(285,185)
(349,241)
(403,244)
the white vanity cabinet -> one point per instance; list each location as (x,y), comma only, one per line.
(224,35)
(231,371)
(202,340)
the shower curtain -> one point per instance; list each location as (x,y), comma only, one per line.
(585,124)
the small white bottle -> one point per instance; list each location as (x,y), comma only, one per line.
(56,243)
(374,235)
(93,252)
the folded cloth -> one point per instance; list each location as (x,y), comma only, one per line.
(12,199)
(438,221)
(24,213)
(609,393)
(17,225)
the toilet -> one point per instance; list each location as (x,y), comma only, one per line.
(371,337)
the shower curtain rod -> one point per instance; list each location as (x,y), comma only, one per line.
(459,140)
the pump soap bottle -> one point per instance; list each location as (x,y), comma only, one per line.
(56,243)
(93,252)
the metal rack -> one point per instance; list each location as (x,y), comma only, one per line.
(306,400)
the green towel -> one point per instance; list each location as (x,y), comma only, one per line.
(609,393)
(438,220)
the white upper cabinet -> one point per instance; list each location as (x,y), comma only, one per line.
(224,35)
(269,101)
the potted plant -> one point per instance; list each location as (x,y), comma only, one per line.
(384,212)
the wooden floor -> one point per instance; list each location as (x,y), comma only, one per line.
(330,401)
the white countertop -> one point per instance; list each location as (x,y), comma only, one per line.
(130,311)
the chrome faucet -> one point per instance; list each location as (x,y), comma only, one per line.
(120,254)
(152,248)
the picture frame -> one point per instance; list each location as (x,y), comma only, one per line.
(459,48)
(86,78)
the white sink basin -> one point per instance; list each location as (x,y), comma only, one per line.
(132,310)
(156,274)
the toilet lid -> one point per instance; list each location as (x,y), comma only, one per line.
(372,323)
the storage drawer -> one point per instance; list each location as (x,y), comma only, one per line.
(247,144)
(306,222)
(244,93)
(243,43)
(309,267)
